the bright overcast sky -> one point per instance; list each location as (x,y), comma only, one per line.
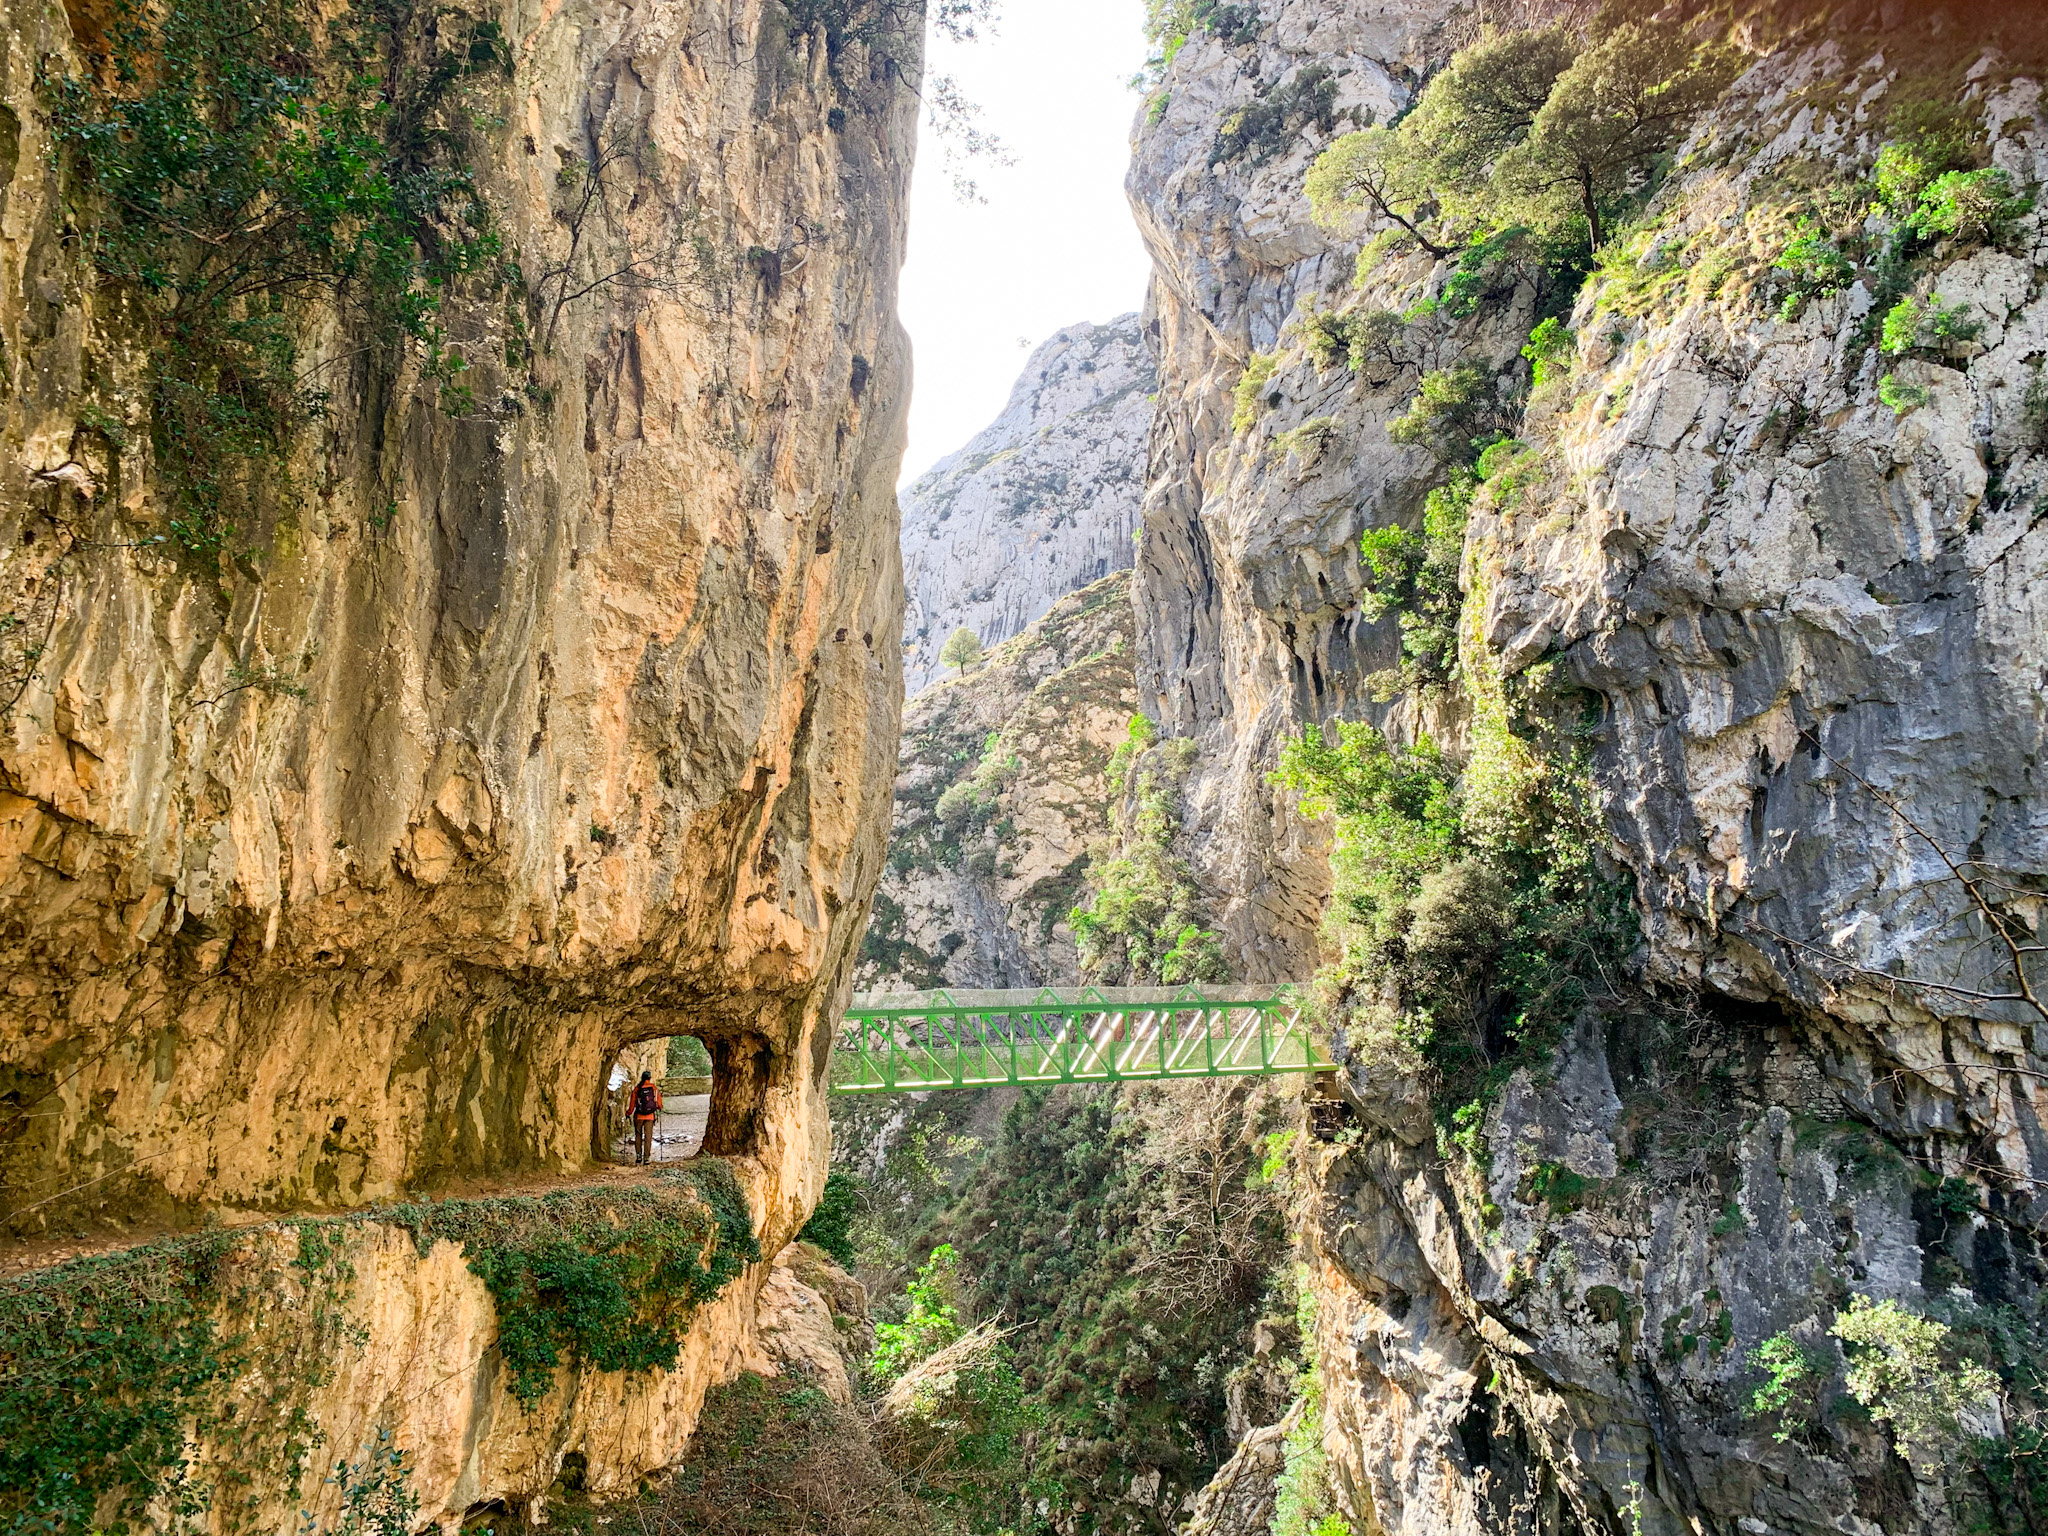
(1054,243)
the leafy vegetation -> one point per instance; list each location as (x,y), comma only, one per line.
(1535,128)
(1814,267)
(237,163)
(1121,1243)
(831,1224)
(1273,120)
(1898,1371)
(1250,390)
(931,1317)
(1415,575)
(1972,207)
(1305,1496)
(1169,24)
(1142,919)
(961,650)
(175,1376)
(607,1279)
(1472,919)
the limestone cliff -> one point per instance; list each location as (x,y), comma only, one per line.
(1000,792)
(545,715)
(1248,576)
(1780,569)
(1042,501)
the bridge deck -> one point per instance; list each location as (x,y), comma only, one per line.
(892,1041)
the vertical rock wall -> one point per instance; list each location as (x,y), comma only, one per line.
(593,686)
(1043,500)
(1248,573)
(1810,621)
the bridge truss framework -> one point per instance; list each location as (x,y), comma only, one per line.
(897,1041)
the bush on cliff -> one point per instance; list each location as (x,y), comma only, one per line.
(1472,918)
(1535,127)
(238,163)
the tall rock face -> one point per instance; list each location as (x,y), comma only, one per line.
(1789,570)
(539,720)
(1248,575)
(1001,790)
(1042,501)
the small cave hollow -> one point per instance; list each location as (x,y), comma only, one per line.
(710,1092)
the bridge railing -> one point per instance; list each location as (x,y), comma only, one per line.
(962,1039)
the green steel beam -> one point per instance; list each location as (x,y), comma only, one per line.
(896,1041)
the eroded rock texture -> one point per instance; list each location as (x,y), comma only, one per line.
(1042,501)
(1248,575)
(592,689)
(1811,624)
(978,887)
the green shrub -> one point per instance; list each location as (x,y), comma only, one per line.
(1250,389)
(1551,350)
(1274,119)
(107,1360)
(1141,918)
(1415,576)
(1813,266)
(607,1280)
(1455,415)
(1793,1377)
(1933,328)
(1461,898)
(239,164)
(831,1224)
(1139,734)
(1903,1368)
(1974,207)
(930,1323)
(1925,139)
(1558,1187)
(1899,396)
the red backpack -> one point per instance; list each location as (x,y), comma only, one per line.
(646,1099)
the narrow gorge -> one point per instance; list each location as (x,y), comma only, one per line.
(1552,587)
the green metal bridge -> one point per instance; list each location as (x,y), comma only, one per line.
(894,1041)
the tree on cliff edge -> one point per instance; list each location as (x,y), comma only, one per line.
(962,649)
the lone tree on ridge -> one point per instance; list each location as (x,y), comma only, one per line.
(962,649)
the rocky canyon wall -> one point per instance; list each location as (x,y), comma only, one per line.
(1001,796)
(1042,501)
(541,717)
(1786,583)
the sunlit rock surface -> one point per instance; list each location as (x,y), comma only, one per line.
(1042,501)
(593,691)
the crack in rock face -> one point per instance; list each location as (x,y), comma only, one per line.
(1793,585)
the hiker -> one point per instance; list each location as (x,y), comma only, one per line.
(646,1105)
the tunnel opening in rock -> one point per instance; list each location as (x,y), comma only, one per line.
(711,1091)
(681,1071)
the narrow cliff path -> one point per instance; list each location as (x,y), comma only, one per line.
(678,1135)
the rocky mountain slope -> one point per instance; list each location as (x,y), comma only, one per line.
(1001,791)
(1042,501)
(1758,563)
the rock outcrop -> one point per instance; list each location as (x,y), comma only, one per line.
(1248,579)
(530,727)
(1042,501)
(1001,790)
(1803,621)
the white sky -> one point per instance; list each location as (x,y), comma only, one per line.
(1054,243)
